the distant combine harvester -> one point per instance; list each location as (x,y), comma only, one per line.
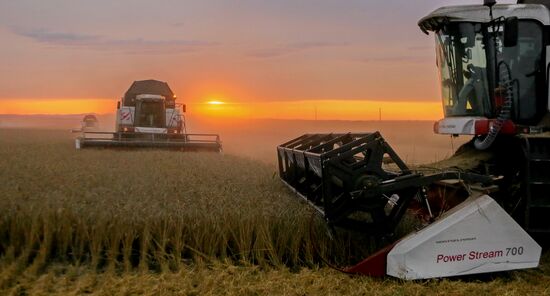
(148,117)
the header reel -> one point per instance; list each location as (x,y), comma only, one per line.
(356,181)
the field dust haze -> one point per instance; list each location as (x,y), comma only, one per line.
(414,141)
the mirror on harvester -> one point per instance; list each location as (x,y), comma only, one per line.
(511,32)
(489,3)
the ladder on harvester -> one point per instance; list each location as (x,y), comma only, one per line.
(537,184)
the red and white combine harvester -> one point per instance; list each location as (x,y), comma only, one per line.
(148,117)
(485,208)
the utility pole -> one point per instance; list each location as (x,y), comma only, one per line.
(315,108)
(379,114)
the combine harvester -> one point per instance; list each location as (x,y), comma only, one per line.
(148,117)
(89,123)
(487,206)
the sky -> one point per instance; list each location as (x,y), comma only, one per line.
(332,59)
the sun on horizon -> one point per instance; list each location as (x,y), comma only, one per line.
(216,102)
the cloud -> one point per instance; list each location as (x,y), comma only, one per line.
(45,36)
(96,42)
(291,48)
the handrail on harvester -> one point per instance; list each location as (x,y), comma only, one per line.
(197,142)
(120,136)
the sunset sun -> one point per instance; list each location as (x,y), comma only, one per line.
(216,102)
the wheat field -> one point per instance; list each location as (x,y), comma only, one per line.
(160,222)
(147,209)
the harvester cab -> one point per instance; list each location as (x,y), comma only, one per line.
(149,106)
(481,209)
(148,116)
(150,112)
(492,65)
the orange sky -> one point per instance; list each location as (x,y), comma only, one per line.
(323,110)
(57,106)
(310,109)
(266,59)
